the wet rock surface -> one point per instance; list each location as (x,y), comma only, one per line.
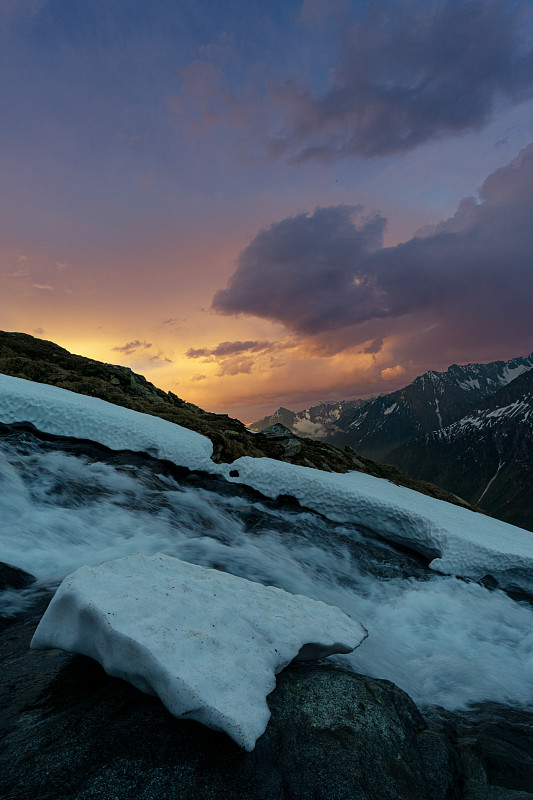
(70,731)
(13,577)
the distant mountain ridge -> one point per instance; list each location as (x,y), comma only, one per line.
(487,455)
(376,426)
(468,429)
(315,422)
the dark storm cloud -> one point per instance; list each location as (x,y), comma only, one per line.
(471,275)
(305,271)
(410,72)
(376,346)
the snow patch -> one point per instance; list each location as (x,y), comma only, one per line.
(208,644)
(63,413)
(459,541)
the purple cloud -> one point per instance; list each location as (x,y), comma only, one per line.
(305,271)
(374,347)
(132,347)
(471,275)
(410,72)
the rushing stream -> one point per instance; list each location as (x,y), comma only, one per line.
(444,640)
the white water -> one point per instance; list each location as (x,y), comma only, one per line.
(445,641)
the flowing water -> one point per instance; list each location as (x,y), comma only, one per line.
(444,640)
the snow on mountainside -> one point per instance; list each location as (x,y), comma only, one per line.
(432,401)
(315,422)
(486,456)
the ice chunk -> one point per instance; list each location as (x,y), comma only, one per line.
(207,643)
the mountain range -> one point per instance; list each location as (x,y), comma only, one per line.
(486,456)
(467,429)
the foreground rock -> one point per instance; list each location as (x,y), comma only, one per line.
(13,578)
(70,732)
(73,732)
(209,644)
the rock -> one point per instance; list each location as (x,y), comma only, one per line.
(341,735)
(13,577)
(71,732)
(284,437)
(206,642)
(494,744)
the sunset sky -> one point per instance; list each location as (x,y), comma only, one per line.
(270,203)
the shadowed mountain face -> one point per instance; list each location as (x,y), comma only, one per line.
(432,401)
(24,356)
(486,456)
(469,430)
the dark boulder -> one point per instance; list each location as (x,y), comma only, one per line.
(13,577)
(70,732)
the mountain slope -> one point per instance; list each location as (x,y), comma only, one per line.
(432,401)
(487,456)
(24,356)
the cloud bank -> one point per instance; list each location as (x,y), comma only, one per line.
(409,72)
(235,358)
(470,276)
(403,73)
(225,349)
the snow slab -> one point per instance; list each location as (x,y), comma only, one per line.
(459,541)
(207,643)
(63,413)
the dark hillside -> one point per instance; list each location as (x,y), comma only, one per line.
(486,457)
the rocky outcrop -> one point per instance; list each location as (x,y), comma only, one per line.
(71,732)
(281,434)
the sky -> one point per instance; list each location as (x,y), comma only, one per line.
(264,204)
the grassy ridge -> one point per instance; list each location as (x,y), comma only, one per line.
(24,356)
